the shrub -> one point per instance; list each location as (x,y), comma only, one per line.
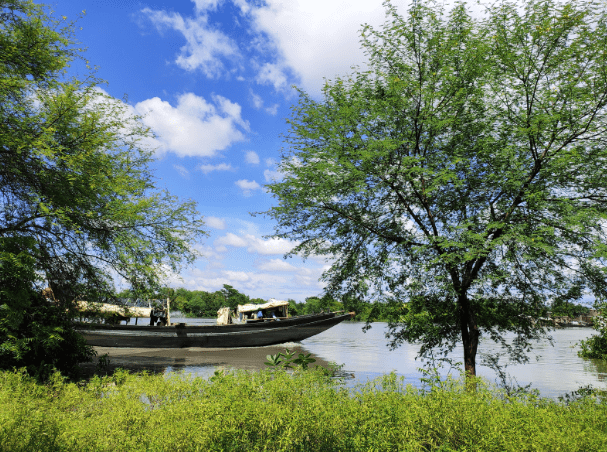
(276,411)
(596,346)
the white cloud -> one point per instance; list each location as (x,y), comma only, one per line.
(207,5)
(215,223)
(276,265)
(258,104)
(251,158)
(319,39)
(309,278)
(272,74)
(208,254)
(232,109)
(272,110)
(247,186)
(182,171)
(244,281)
(272,176)
(243,5)
(206,169)
(314,38)
(270,162)
(236,275)
(194,127)
(230,239)
(257,100)
(254,244)
(269,246)
(205,47)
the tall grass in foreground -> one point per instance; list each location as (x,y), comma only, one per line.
(275,411)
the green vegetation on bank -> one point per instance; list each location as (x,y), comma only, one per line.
(277,411)
(596,346)
(200,303)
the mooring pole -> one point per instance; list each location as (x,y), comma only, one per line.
(168,311)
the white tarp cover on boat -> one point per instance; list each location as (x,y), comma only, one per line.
(223,316)
(104,308)
(273,303)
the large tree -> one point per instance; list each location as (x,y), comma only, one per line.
(462,177)
(78,203)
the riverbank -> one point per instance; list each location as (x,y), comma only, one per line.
(275,411)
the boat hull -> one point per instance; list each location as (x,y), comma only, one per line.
(211,336)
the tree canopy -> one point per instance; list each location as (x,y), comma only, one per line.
(461,177)
(79,205)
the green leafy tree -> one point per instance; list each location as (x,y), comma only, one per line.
(179,303)
(76,191)
(358,306)
(34,333)
(313,305)
(295,308)
(195,306)
(233,297)
(460,179)
(596,346)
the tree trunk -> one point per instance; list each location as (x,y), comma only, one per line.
(470,335)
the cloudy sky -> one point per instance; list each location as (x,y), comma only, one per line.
(213,79)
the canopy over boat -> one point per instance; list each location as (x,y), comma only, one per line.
(273,303)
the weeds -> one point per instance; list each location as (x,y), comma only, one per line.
(275,410)
(287,358)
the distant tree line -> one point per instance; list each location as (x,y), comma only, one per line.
(200,303)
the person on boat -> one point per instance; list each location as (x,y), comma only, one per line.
(274,316)
(260,314)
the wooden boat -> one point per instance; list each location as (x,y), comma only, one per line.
(255,333)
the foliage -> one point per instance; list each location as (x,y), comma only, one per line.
(565,309)
(460,180)
(74,169)
(596,346)
(78,202)
(34,333)
(326,302)
(284,360)
(199,303)
(275,411)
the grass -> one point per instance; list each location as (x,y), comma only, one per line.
(276,411)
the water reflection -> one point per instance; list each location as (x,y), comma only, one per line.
(198,361)
(553,370)
(598,367)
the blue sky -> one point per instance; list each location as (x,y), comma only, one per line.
(213,79)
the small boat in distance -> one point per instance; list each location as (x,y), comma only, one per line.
(252,331)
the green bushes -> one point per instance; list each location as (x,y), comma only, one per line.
(596,346)
(275,411)
(34,333)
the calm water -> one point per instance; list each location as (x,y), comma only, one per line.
(553,370)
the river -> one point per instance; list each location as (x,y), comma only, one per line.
(554,370)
